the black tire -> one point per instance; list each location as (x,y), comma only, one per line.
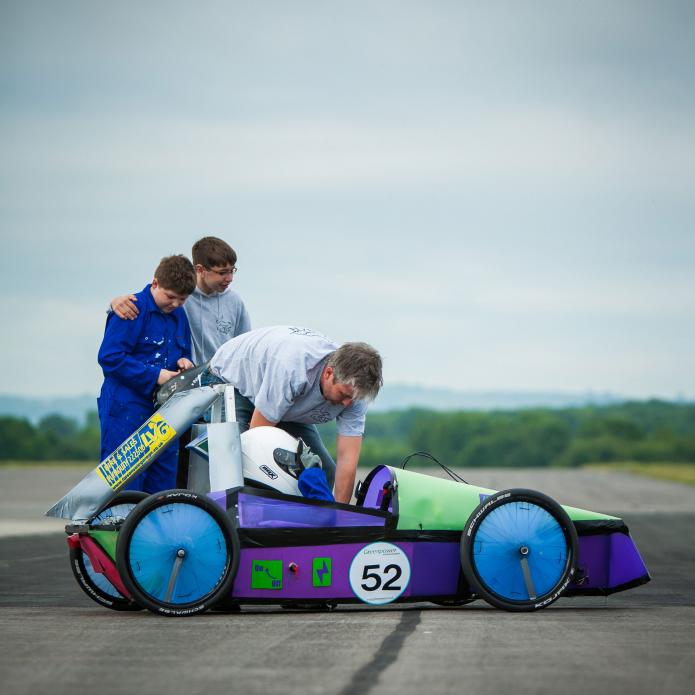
(454,603)
(123,497)
(101,590)
(134,560)
(528,526)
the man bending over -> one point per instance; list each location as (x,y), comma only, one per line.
(295,378)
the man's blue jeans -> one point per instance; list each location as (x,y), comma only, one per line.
(308,433)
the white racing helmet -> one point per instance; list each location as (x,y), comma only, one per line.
(270,459)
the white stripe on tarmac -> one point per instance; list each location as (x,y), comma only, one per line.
(30,527)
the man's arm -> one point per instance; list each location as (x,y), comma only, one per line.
(347,451)
(260,420)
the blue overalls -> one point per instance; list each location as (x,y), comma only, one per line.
(131,357)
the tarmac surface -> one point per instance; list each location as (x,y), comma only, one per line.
(53,639)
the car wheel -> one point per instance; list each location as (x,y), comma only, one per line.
(178,553)
(519,550)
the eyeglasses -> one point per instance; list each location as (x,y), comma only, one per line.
(223,272)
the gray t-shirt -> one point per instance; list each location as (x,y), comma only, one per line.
(279,370)
(214,319)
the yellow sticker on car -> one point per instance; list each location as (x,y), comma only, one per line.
(135,452)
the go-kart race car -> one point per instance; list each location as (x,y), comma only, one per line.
(256,539)
(410,537)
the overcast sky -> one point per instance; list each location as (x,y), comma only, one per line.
(497,195)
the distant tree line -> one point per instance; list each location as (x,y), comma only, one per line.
(635,431)
(55,438)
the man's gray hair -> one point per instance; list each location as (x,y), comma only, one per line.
(359,365)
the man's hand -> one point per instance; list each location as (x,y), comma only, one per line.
(347,454)
(124,307)
(165,375)
(185,363)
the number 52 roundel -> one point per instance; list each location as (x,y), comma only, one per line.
(379,573)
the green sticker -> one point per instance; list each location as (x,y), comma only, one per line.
(321,571)
(266,574)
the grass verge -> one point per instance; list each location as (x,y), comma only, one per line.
(47,464)
(674,472)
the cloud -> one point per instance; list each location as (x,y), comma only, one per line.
(478,188)
(50,345)
(171,157)
(597,297)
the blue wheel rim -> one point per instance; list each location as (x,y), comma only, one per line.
(112,514)
(520,551)
(155,560)
(109,515)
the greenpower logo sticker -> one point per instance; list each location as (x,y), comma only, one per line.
(321,571)
(266,574)
(136,452)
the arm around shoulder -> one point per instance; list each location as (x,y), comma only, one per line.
(125,307)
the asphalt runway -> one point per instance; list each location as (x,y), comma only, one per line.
(53,639)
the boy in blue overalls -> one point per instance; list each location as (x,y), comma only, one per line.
(139,355)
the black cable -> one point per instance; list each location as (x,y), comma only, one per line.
(427,455)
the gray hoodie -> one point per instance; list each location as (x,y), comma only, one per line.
(214,319)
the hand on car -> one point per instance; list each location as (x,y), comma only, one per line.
(165,375)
